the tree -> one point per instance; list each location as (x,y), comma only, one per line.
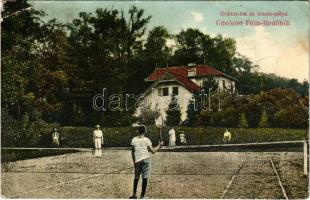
(245,72)
(189,46)
(107,43)
(13,83)
(264,122)
(136,27)
(209,83)
(253,82)
(305,88)
(173,112)
(9,135)
(191,113)
(156,52)
(194,46)
(34,62)
(276,103)
(147,115)
(105,47)
(293,116)
(219,53)
(21,27)
(77,115)
(243,122)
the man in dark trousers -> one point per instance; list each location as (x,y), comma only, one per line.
(140,156)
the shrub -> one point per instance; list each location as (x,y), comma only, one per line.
(276,108)
(30,131)
(243,122)
(263,122)
(292,117)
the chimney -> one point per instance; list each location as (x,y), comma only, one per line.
(191,70)
(191,64)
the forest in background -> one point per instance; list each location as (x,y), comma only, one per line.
(51,71)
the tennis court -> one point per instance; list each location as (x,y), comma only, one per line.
(176,173)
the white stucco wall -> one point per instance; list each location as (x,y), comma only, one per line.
(162,102)
(219,80)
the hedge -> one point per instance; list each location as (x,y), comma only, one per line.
(9,155)
(121,137)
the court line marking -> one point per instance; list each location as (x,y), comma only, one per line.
(126,173)
(61,183)
(231,180)
(56,185)
(279,180)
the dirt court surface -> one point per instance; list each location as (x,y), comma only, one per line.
(173,175)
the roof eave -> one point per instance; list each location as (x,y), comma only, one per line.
(230,77)
(156,83)
(162,81)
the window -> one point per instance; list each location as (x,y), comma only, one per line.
(175,90)
(165,91)
(224,85)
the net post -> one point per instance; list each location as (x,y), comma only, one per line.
(305,158)
(160,134)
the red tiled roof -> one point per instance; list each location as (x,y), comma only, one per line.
(201,70)
(188,84)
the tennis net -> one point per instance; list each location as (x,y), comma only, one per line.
(177,160)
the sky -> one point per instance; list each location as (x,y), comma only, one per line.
(282,50)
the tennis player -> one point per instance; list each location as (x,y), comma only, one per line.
(98,141)
(227,136)
(141,159)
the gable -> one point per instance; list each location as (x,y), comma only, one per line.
(169,78)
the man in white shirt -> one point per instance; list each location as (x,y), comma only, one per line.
(172,138)
(98,141)
(140,156)
(227,136)
(55,137)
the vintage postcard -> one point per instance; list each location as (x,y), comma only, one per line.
(154,99)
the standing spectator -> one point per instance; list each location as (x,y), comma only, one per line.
(172,137)
(227,136)
(98,141)
(55,137)
(182,138)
